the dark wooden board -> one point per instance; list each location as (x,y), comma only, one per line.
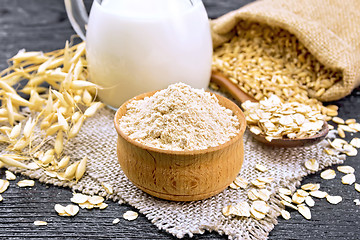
(43,25)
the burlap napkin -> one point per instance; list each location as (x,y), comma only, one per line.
(329,29)
(97,141)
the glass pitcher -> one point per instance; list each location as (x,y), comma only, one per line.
(137,46)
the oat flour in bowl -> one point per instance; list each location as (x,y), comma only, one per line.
(179,118)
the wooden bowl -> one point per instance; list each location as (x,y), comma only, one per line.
(181,175)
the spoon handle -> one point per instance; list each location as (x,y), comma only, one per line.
(219,79)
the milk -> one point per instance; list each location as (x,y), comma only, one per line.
(137,46)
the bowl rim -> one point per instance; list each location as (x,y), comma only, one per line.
(235,108)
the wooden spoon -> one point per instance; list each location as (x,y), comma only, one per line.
(219,79)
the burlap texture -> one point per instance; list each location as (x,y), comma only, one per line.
(329,29)
(97,141)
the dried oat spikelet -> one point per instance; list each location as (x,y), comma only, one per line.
(92,109)
(12,162)
(53,129)
(15,132)
(20,144)
(58,146)
(81,84)
(58,110)
(63,162)
(71,170)
(76,127)
(10,111)
(81,168)
(28,128)
(6,87)
(62,122)
(86,98)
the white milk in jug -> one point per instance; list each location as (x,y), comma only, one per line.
(137,46)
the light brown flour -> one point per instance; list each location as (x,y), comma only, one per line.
(179,118)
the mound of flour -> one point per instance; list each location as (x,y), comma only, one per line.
(179,118)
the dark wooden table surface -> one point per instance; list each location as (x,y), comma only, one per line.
(43,25)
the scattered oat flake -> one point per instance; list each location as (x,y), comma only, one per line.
(312,165)
(96,200)
(285,191)
(355,142)
(357,187)
(357,202)
(72,210)
(328,174)
(79,198)
(310,187)
(60,209)
(319,194)
(337,143)
(253,194)
(305,211)
(242,209)
(241,182)
(350,150)
(296,198)
(285,214)
(258,183)
(116,221)
(260,206)
(346,169)
(102,205)
(131,215)
(355,126)
(285,197)
(86,205)
(266,179)
(108,188)
(40,223)
(309,201)
(264,194)
(261,168)
(257,215)
(329,151)
(302,193)
(347,128)
(26,183)
(287,204)
(333,199)
(348,179)
(226,211)
(9,175)
(234,186)
(4,184)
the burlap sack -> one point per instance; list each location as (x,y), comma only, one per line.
(330,29)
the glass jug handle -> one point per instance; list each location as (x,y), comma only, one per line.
(77,15)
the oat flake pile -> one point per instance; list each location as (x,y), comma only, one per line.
(261,162)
